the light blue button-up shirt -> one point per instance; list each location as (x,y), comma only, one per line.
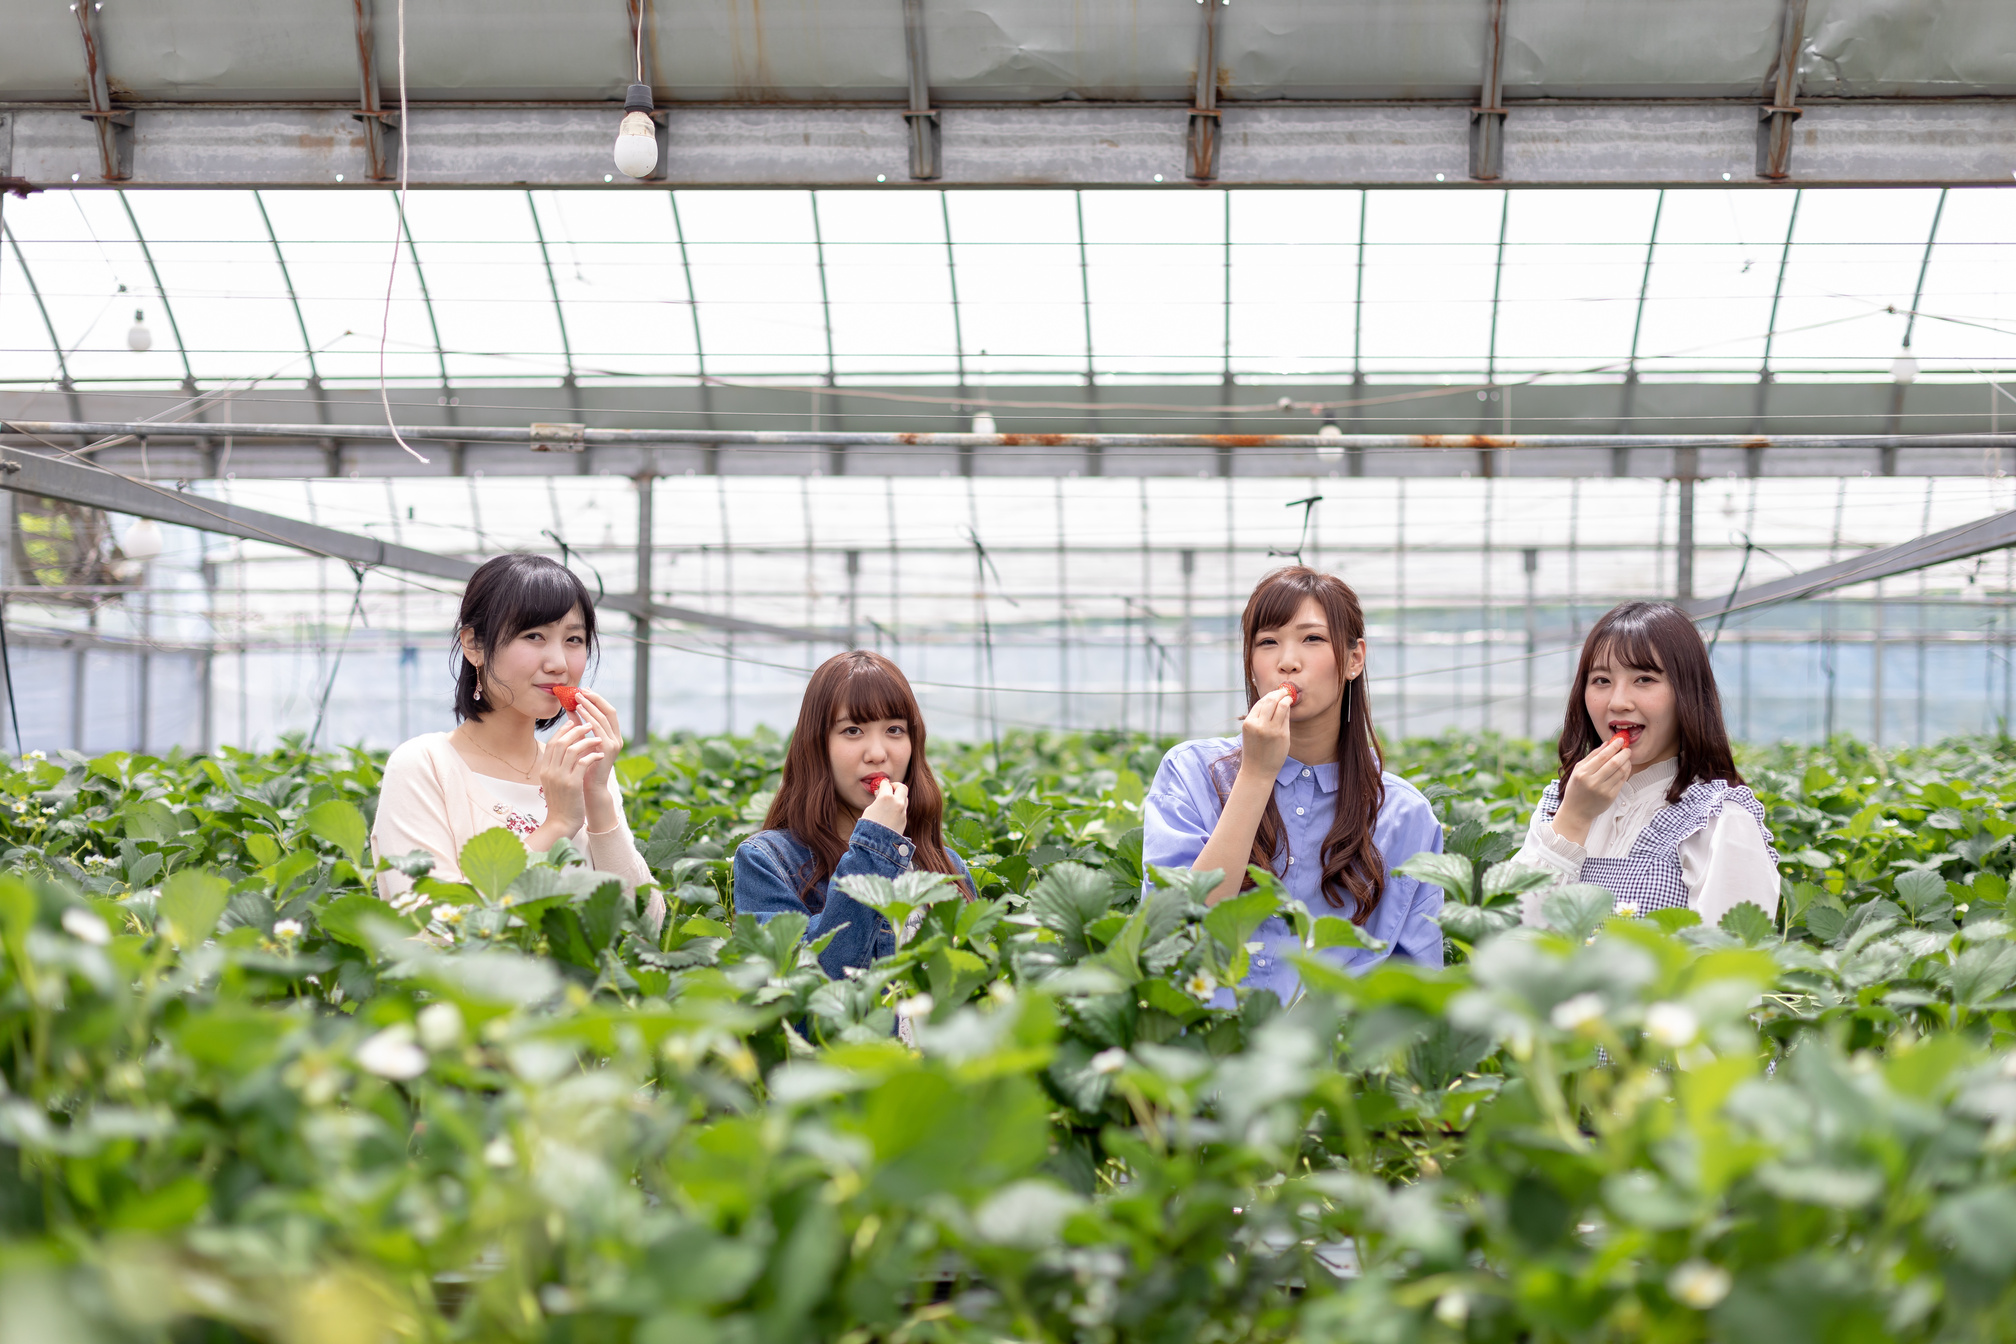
(1184,804)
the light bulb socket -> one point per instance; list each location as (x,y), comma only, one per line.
(638,99)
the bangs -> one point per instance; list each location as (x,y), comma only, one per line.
(1279,596)
(1631,643)
(542,595)
(875,692)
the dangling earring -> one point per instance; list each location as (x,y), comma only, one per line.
(1348,681)
(478,692)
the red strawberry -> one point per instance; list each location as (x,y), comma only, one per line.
(875,782)
(1294,693)
(568,696)
(1625,738)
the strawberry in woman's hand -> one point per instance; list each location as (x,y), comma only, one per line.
(568,696)
(1294,693)
(874,783)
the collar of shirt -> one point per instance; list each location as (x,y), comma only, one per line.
(1659,777)
(1292,770)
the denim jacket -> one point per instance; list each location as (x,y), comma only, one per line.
(770,868)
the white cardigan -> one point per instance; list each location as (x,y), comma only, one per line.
(430,799)
(1724,863)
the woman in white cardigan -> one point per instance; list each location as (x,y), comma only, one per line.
(526,629)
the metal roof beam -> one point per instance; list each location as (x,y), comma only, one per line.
(545,433)
(1905,370)
(553,288)
(1200,141)
(147,255)
(1487,119)
(112,127)
(1764,374)
(1861,142)
(825,298)
(1084,284)
(1955,543)
(55,343)
(380,127)
(927,160)
(1497,287)
(952,278)
(36,474)
(300,321)
(1774,122)
(693,307)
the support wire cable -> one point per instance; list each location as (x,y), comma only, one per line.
(336,664)
(398,232)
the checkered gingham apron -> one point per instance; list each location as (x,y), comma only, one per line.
(1649,877)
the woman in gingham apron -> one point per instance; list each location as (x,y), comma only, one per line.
(1648,802)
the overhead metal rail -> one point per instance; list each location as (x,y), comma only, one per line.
(576,438)
(1613,142)
(1955,543)
(52,478)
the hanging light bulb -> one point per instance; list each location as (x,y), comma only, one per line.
(637,140)
(1904,369)
(142,541)
(1330,451)
(983,423)
(139,338)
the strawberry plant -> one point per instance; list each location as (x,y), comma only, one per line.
(243,1098)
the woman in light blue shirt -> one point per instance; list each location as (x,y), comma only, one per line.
(1302,790)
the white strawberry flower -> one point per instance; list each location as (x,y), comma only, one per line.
(1698,1284)
(86,927)
(393,1054)
(1573,1014)
(1672,1025)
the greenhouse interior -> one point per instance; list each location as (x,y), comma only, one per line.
(1017,344)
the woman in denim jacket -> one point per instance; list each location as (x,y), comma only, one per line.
(857,797)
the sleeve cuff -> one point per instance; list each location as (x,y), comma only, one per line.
(1558,847)
(878,840)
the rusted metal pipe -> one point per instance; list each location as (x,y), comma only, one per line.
(114,127)
(379,125)
(168,432)
(1487,119)
(1774,123)
(1201,143)
(926,146)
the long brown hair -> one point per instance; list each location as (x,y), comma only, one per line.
(1654,637)
(863,687)
(1353,871)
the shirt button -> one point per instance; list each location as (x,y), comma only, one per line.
(903,851)
(1291,860)
(1305,774)
(1298,811)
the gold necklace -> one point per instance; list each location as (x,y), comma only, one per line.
(525,774)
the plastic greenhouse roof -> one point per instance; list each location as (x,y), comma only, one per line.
(1025,51)
(971,287)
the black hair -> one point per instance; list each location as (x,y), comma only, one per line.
(506,596)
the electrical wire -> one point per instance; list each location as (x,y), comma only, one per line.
(398,233)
